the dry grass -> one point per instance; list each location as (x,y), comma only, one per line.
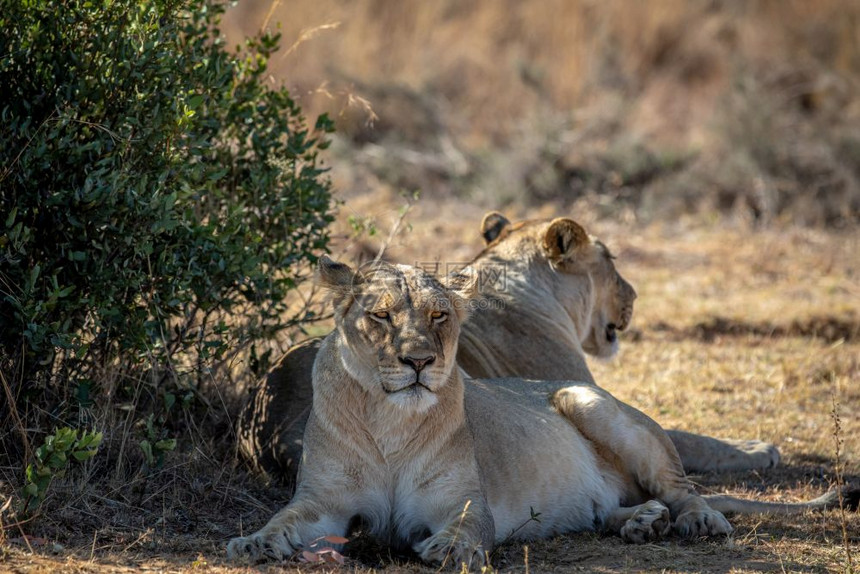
(723,381)
(666,107)
(495,61)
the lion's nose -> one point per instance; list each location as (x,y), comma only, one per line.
(417,363)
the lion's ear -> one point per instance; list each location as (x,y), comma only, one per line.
(492,226)
(463,283)
(463,286)
(333,275)
(563,237)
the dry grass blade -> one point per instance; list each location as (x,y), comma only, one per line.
(840,483)
(7,504)
(308,34)
(12,404)
(272,7)
(455,536)
(395,229)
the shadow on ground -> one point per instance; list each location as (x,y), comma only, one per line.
(828,329)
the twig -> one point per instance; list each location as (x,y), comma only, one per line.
(840,481)
(93,548)
(404,211)
(533,516)
(51,119)
(8,170)
(16,418)
(24,536)
(3,509)
(243,496)
(272,8)
(113,135)
(456,534)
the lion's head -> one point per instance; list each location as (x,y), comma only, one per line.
(399,327)
(575,260)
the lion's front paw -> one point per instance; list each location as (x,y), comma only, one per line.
(702,522)
(651,521)
(266,544)
(441,548)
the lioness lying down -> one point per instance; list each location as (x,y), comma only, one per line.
(550,293)
(449,466)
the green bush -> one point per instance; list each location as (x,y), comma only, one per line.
(158,196)
(52,460)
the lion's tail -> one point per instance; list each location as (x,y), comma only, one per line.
(732,505)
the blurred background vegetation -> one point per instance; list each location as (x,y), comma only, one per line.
(647,110)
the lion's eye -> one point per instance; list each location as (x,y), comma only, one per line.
(438,316)
(382,315)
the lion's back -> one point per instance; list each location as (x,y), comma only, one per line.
(272,422)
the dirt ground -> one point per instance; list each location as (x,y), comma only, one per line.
(737,333)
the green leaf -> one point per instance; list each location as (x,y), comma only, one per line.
(66,291)
(82,455)
(81,351)
(34,275)
(95,439)
(166,444)
(65,437)
(169,401)
(11,217)
(146,447)
(216,175)
(194,101)
(58,460)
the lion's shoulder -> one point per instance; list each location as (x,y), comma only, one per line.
(272,421)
